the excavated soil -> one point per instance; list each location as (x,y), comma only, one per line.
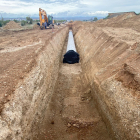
(18,51)
(29,68)
(97,99)
(36,26)
(109,55)
(12,25)
(72,113)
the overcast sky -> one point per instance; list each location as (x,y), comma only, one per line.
(68,7)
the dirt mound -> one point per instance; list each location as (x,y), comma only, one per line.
(129,20)
(111,15)
(12,25)
(36,26)
(115,21)
(99,21)
(132,22)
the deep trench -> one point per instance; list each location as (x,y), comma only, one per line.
(72,113)
(90,100)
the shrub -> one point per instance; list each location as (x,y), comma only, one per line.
(95,19)
(15,20)
(1,23)
(29,20)
(23,22)
(5,22)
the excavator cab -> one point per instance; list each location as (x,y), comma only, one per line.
(50,19)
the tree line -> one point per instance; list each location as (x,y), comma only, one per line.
(23,22)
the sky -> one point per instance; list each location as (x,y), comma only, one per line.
(65,8)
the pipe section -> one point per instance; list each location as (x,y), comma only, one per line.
(71,55)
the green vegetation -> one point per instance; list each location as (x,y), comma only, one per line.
(106,17)
(59,21)
(15,20)
(37,20)
(29,20)
(95,19)
(23,22)
(3,22)
(0,24)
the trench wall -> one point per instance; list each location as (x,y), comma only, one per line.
(110,68)
(24,114)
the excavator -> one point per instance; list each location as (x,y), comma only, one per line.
(46,21)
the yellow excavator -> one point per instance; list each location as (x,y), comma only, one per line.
(44,20)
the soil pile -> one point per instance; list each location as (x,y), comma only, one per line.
(12,25)
(36,26)
(132,22)
(122,21)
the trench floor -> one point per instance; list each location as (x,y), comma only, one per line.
(72,114)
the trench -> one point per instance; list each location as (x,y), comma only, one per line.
(72,113)
(82,101)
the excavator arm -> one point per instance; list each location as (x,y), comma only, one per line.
(42,20)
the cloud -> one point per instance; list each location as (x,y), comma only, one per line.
(23,7)
(98,13)
(68,7)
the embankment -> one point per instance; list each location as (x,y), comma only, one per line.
(111,68)
(22,116)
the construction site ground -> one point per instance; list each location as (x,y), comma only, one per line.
(18,50)
(73,113)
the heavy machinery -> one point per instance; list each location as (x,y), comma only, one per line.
(44,20)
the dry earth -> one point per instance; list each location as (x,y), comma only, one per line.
(109,51)
(17,56)
(43,99)
(72,114)
(12,25)
(29,66)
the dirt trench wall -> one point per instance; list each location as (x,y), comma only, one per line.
(111,68)
(23,116)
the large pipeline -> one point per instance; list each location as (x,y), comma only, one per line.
(71,55)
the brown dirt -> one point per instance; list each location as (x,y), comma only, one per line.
(18,51)
(97,99)
(36,26)
(109,51)
(72,113)
(129,36)
(12,25)
(128,20)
